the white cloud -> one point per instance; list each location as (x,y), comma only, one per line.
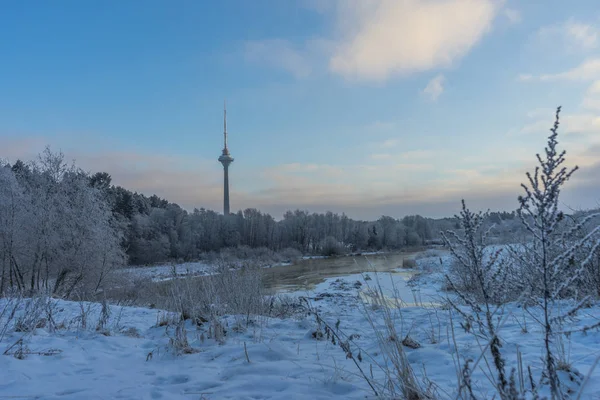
(390,143)
(583,35)
(381,156)
(386,37)
(414,158)
(586,71)
(434,88)
(417,179)
(376,39)
(379,127)
(525,77)
(592,103)
(418,155)
(324,170)
(569,124)
(513,16)
(592,97)
(383,149)
(595,88)
(281,54)
(542,113)
(571,35)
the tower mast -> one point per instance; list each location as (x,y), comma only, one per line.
(225,125)
(225,159)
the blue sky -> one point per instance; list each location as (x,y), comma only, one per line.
(368,107)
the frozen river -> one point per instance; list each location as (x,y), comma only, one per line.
(306,274)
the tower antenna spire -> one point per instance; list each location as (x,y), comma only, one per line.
(225,123)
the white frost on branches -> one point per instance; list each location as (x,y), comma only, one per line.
(552,261)
(57,232)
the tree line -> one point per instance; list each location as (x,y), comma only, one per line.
(156,230)
(58,221)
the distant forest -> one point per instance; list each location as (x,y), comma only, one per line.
(157,230)
(152,229)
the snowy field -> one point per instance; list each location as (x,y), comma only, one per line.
(128,355)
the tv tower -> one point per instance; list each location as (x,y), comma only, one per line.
(225,159)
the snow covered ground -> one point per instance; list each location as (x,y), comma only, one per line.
(164,272)
(129,357)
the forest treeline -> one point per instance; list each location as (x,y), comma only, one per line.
(48,194)
(156,230)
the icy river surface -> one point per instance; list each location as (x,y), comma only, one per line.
(306,274)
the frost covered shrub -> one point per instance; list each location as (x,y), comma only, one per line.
(588,255)
(554,262)
(331,247)
(229,292)
(460,278)
(413,239)
(178,343)
(228,254)
(263,254)
(8,311)
(478,272)
(478,277)
(244,254)
(561,250)
(284,306)
(31,317)
(240,291)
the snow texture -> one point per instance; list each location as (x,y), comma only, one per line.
(130,357)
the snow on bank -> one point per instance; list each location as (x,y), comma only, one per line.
(158,273)
(165,272)
(314,257)
(430,324)
(286,361)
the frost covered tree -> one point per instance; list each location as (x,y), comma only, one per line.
(57,233)
(12,223)
(585,223)
(552,261)
(479,278)
(555,262)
